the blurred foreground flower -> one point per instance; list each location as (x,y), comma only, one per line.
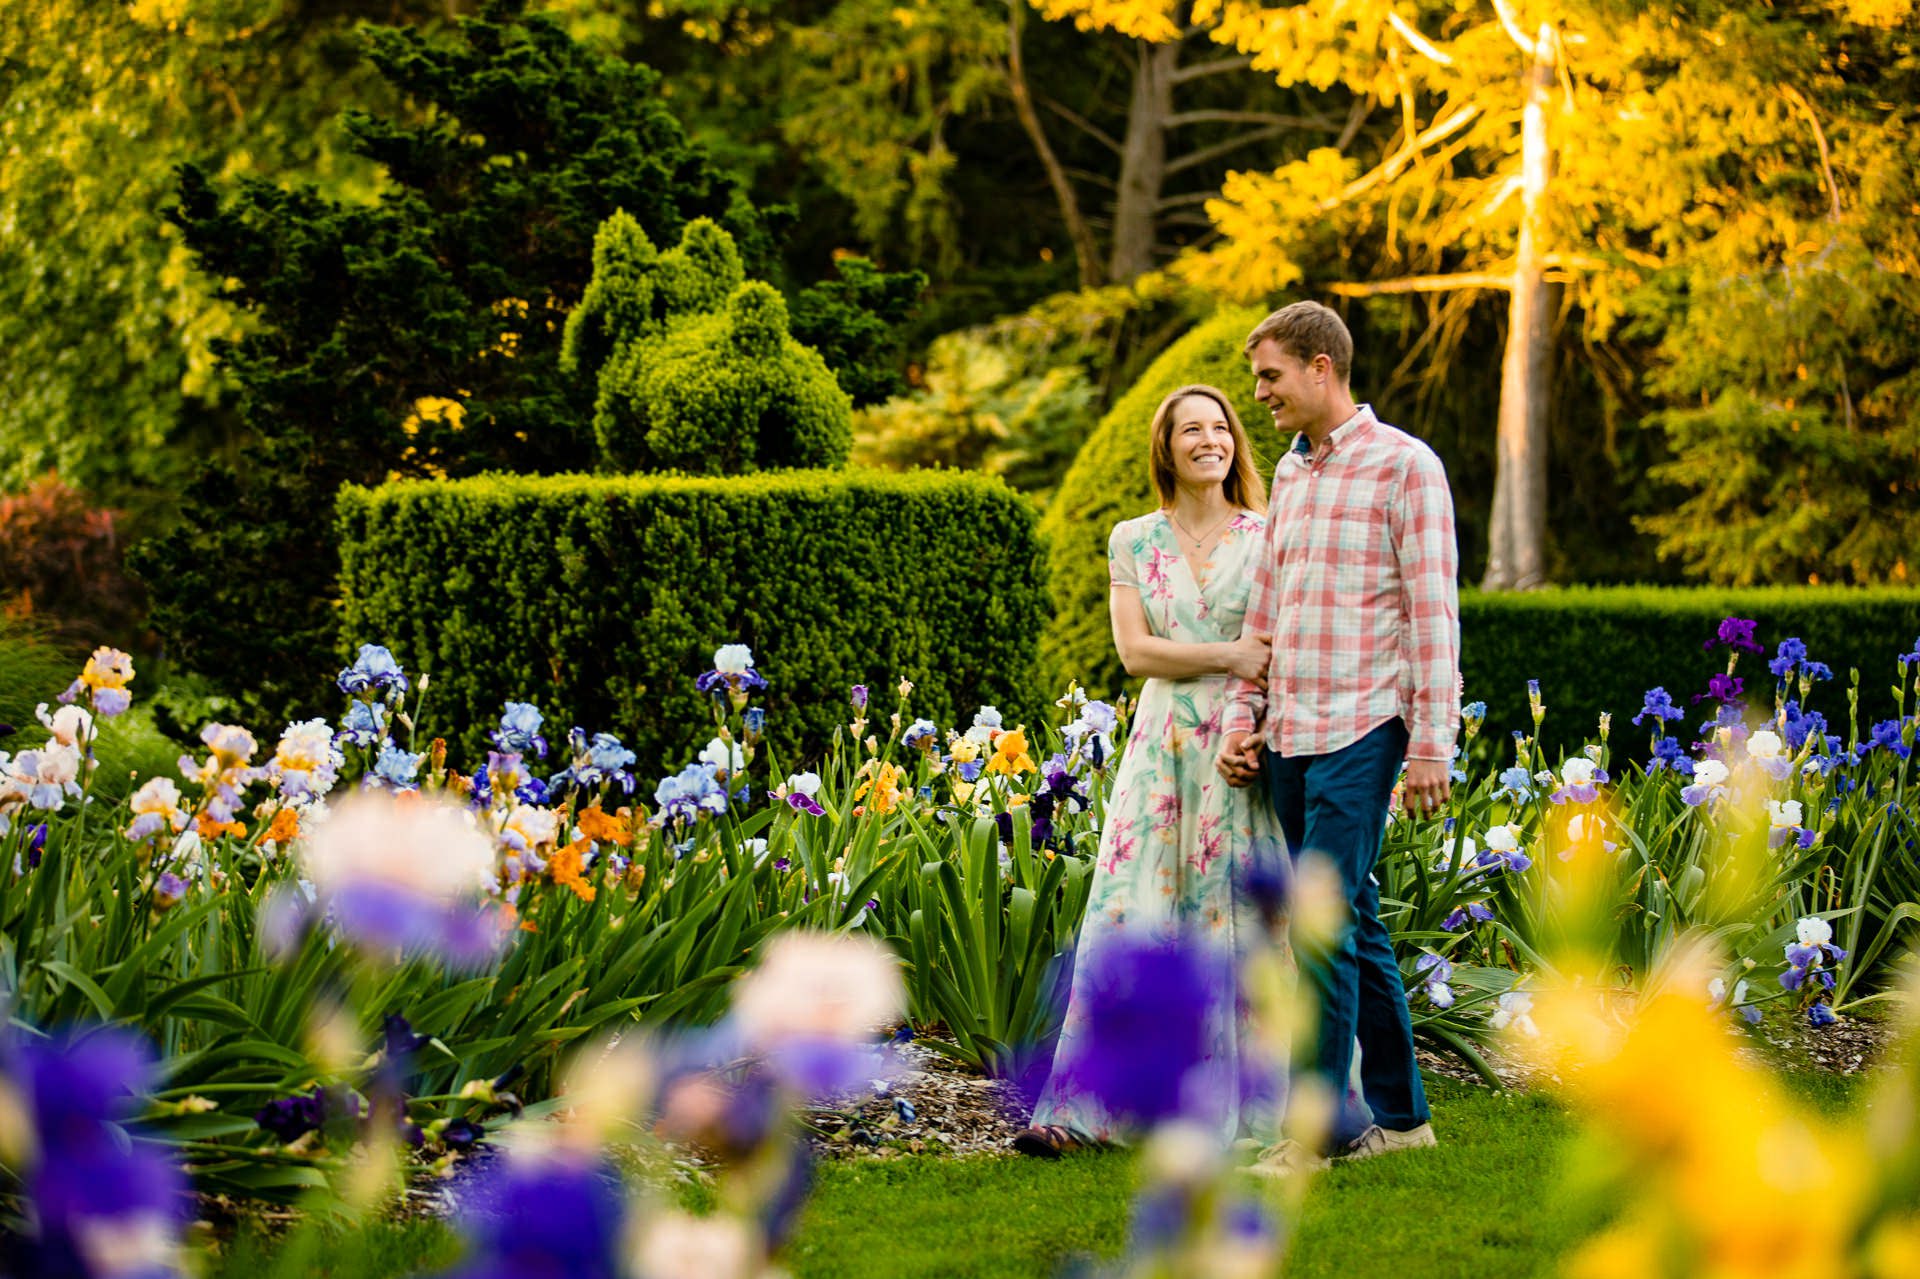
(405,873)
(102,1202)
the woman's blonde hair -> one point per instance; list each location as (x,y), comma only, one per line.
(1243,486)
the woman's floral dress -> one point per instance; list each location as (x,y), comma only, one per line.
(1177,837)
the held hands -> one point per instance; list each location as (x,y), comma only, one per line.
(1250,657)
(1427,787)
(1239,759)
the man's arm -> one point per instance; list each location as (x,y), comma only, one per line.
(1429,571)
(1246,699)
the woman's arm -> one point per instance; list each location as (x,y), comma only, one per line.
(1146,654)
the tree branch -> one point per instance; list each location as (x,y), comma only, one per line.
(1191,197)
(1180,118)
(1085,125)
(1420,43)
(1511,21)
(1561,269)
(1798,99)
(1219,66)
(1194,159)
(1390,168)
(1086,252)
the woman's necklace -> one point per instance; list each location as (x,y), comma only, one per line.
(1199,542)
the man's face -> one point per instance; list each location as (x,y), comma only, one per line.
(1294,391)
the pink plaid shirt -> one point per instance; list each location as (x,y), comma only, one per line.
(1357,589)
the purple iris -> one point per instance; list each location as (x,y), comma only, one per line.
(1658,705)
(1788,657)
(95,1174)
(374,673)
(519,730)
(364,725)
(1820,1016)
(291,1118)
(1723,688)
(1798,725)
(1435,972)
(560,1213)
(1147,1005)
(857,695)
(805,804)
(1737,634)
(1912,658)
(1887,736)
(1518,783)
(602,761)
(1267,879)
(755,721)
(1669,754)
(1476,912)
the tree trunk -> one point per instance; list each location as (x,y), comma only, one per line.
(1143,162)
(1516,550)
(1086,252)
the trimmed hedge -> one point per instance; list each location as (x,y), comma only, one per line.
(601,598)
(1597,649)
(1109,482)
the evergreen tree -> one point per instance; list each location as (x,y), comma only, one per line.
(418,334)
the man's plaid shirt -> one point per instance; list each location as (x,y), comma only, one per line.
(1357,589)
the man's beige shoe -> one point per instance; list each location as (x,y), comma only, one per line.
(1386,1141)
(1286,1158)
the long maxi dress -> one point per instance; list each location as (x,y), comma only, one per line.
(1177,837)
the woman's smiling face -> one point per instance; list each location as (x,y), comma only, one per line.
(1201,442)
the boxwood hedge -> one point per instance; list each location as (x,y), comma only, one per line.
(601,598)
(1597,649)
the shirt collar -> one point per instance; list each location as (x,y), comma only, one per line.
(1338,438)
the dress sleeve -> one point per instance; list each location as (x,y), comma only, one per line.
(1121,570)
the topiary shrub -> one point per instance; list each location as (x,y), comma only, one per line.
(695,367)
(1109,482)
(601,598)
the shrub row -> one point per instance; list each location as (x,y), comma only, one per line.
(1597,649)
(601,598)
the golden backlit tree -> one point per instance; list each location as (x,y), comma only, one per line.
(1596,146)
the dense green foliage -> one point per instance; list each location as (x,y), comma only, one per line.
(107,370)
(601,598)
(1597,649)
(695,367)
(419,334)
(1109,481)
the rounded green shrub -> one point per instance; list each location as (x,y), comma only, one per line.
(696,366)
(1109,482)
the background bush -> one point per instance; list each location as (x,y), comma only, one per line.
(695,366)
(600,599)
(1597,649)
(1109,482)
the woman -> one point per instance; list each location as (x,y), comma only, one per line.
(1177,837)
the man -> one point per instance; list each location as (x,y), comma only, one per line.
(1357,588)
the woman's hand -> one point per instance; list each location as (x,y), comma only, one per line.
(1250,657)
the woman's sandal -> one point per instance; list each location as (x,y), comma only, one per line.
(1047,1141)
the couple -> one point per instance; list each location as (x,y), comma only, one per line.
(1294,660)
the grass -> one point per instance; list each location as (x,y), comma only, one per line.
(1485,1202)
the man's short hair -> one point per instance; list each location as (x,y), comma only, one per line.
(1307,329)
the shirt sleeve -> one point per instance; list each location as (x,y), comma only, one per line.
(1423,541)
(1246,701)
(1121,569)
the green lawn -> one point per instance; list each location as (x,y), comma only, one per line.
(1483,1202)
(1486,1202)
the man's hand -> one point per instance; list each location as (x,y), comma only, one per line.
(1239,759)
(1427,787)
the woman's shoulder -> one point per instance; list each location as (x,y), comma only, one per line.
(1249,521)
(1139,526)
